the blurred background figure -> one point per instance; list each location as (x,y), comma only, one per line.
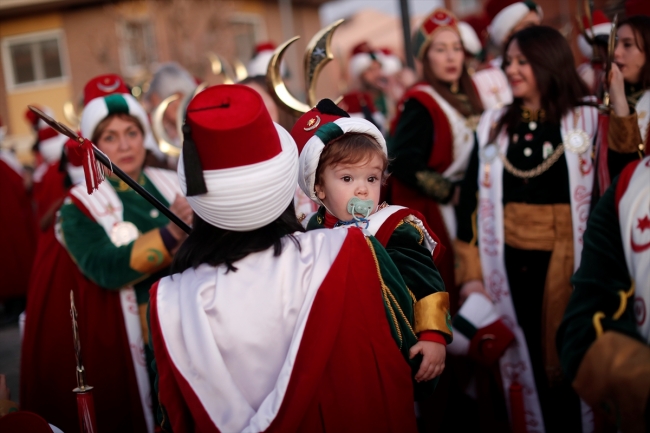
(593,74)
(398,77)
(367,82)
(259,62)
(472,45)
(169,79)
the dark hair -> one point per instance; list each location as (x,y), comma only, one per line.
(465,85)
(350,148)
(551,59)
(101,126)
(216,246)
(641,28)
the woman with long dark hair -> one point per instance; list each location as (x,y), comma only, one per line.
(629,83)
(262,327)
(432,135)
(524,206)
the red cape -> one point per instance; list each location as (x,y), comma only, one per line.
(48,194)
(48,362)
(17,234)
(348,376)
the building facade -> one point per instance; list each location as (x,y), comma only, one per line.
(50,48)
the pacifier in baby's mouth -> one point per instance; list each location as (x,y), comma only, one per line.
(356,207)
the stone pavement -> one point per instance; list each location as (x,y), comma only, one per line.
(10,357)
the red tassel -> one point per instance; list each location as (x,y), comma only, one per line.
(517,409)
(86,412)
(92,170)
(601,156)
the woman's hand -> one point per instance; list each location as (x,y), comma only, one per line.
(617,97)
(433,359)
(473,286)
(181,208)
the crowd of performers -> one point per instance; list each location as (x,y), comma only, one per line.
(461,248)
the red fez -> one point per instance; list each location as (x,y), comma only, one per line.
(104,85)
(305,127)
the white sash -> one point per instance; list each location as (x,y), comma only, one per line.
(234,336)
(515,363)
(643,114)
(634,213)
(463,143)
(106,208)
(493,88)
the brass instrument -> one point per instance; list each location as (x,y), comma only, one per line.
(317,54)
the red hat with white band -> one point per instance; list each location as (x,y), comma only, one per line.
(437,20)
(362,57)
(316,129)
(238,169)
(103,85)
(602,26)
(259,63)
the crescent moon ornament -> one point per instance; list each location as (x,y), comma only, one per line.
(240,70)
(220,67)
(318,54)
(180,114)
(165,144)
(275,83)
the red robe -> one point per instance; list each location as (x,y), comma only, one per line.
(48,194)
(440,159)
(48,362)
(17,236)
(348,374)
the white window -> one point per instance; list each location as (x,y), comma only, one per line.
(138,48)
(248,30)
(34,59)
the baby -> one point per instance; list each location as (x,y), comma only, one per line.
(343,164)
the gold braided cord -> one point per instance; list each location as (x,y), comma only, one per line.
(597,323)
(529,174)
(623,305)
(388,296)
(384,289)
(412,295)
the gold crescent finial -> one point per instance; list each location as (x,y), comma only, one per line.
(182,107)
(219,66)
(318,54)
(70,114)
(240,70)
(275,83)
(165,144)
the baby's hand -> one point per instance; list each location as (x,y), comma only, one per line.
(433,359)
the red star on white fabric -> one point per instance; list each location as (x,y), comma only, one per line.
(644,223)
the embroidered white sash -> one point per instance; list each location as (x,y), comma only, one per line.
(106,208)
(634,217)
(515,363)
(493,88)
(463,142)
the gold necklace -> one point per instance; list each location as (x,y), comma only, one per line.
(529,174)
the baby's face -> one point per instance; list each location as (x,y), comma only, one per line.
(343,181)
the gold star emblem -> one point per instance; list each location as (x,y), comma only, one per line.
(312,123)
